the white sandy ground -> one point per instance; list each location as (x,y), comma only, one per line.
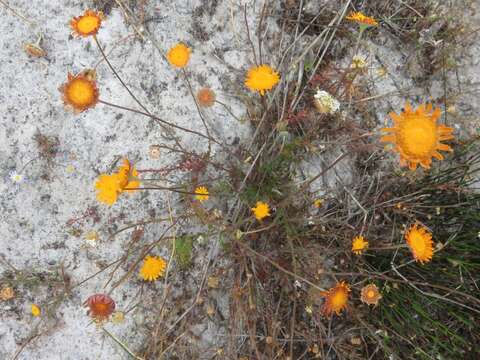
(33,232)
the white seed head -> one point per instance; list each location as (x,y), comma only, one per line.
(326,103)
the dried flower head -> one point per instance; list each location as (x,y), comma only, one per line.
(370,294)
(80,91)
(91,238)
(154,151)
(336,299)
(153,267)
(179,55)
(362,19)
(7,293)
(358,62)
(87,24)
(417,136)
(325,103)
(261,210)
(419,240)
(359,245)
(34,50)
(261,78)
(206,97)
(100,307)
(201,193)
(118,317)
(35,310)
(109,187)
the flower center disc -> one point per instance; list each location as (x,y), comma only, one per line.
(80,92)
(87,24)
(338,299)
(418,137)
(418,243)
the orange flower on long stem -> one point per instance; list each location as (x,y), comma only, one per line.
(80,92)
(87,24)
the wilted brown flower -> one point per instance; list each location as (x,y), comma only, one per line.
(100,306)
(370,294)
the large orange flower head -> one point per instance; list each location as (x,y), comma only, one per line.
(417,136)
(100,306)
(336,299)
(261,78)
(87,24)
(80,92)
(419,240)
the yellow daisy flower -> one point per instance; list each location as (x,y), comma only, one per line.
(417,136)
(419,240)
(261,78)
(201,193)
(261,210)
(35,310)
(153,267)
(179,55)
(87,24)
(359,245)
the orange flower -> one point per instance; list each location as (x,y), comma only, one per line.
(109,187)
(261,78)
(336,299)
(359,244)
(370,294)
(100,306)
(206,97)
(153,267)
(362,19)
(179,55)
(261,210)
(417,136)
(87,24)
(128,176)
(80,91)
(419,240)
